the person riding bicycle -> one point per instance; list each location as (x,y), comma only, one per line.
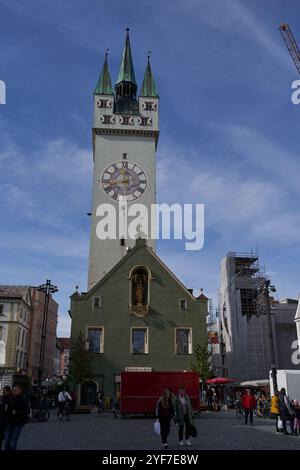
(63,398)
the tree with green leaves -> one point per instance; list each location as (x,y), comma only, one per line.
(80,361)
(201,363)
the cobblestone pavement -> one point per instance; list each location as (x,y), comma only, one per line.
(215,431)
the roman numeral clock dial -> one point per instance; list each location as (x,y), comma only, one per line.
(124,179)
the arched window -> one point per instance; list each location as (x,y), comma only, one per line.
(88,392)
(139,300)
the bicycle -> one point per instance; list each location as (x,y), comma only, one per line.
(239,410)
(63,410)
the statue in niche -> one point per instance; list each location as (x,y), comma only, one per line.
(139,292)
(139,281)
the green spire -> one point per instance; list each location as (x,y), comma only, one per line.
(126,72)
(104,83)
(148,86)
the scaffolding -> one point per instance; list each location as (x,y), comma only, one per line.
(249,277)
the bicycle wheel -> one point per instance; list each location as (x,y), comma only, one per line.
(60,415)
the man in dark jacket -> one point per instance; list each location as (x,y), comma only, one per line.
(3,411)
(285,410)
(17,415)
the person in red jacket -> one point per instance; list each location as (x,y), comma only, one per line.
(249,404)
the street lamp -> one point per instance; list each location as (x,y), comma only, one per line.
(47,289)
(265,289)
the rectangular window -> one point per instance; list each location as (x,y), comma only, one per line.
(23,334)
(1,333)
(95,340)
(18,340)
(139,341)
(144,121)
(96,302)
(1,310)
(125,120)
(103,104)
(106,119)
(148,106)
(21,312)
(183,341)
(182,304)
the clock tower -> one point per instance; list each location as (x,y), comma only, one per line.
(125,135)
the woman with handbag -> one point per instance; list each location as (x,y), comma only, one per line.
(184,416)
(165,412)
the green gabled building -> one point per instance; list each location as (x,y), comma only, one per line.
(139,316)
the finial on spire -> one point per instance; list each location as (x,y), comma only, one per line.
(104,82)
(148,86)
(126,72)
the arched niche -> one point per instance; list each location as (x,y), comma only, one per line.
(139,290)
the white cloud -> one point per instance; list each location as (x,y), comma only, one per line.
(253,205)
(232,16)
(65,161)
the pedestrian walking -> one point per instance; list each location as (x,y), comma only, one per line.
(296,407)
(17,415)
(100,401)
(249,404)
(286,411)
(275,409)
(3,412)
(165,412)
(184,415)
(209,398)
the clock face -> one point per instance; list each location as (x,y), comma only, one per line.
(124,180)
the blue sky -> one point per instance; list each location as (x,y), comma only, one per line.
(229,132)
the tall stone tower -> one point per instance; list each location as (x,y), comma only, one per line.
(125,135)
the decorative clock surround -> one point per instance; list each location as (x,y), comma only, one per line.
(124,178)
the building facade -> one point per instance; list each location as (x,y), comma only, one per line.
(244,333)
(285,333)
(57,358)
(136,315)
(34,361)
(64,356)
(15,321)
(139,316)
